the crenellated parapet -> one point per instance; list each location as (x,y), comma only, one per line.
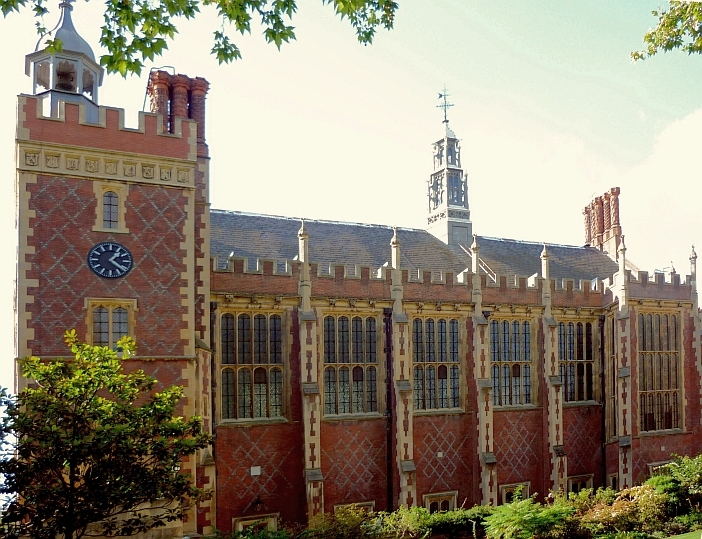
(659,286)
(70,129)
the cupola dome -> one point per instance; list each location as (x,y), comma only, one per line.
(70,74)
(67,34)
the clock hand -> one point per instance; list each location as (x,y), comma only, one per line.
(116,264)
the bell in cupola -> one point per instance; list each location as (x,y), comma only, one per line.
(70,74)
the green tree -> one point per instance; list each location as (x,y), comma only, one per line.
(679,27)
(138,30)
(92,450)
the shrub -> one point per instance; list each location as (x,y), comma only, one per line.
(460,521)
(253,533)
(407,522)
(638,509)
(688,472)
(346,523)
(525,519)
(671,487)
(691,521)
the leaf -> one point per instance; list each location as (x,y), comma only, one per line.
(85,453)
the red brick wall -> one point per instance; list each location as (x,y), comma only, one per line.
(519,448)
(583,441)
(62,237)
(455,437)
(612,459)
(354,462)
(277,449)
(648,448)
(111,137)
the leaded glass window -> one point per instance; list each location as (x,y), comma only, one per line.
(109,324)
(251,348)
(350,372)
(436,363)
(510,353)
(575,361)
(659,371)
(110,210)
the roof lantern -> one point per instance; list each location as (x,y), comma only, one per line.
(67,75)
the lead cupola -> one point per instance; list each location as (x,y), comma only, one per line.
(67,75)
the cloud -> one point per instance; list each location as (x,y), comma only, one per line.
(660,205)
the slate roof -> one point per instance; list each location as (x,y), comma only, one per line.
(255,236)
(514,257)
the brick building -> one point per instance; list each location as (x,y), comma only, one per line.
(343,363)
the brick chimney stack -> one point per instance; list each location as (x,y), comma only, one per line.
(602,227)
(179,96)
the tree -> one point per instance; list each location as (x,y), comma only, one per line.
(679,27)
(92,450)
(138,30)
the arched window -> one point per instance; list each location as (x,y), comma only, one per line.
(659,389)
(510,351)
(109,324)
(251,352)
(350,382)
(110,210)
(575,360)
(436,356)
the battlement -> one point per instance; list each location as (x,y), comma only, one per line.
(659,286)
(70,128)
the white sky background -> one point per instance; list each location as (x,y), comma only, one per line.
(550,109)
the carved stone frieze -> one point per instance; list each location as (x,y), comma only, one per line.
(31,159)
(92,164)
(459,214)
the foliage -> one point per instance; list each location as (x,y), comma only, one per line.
(253,533)
(525,518)
(672,488)
(345,523)
(687,471)
(690,521)
(407,522)
(679,27)
(461,520)
(139,30)
(638,509)
(92,446)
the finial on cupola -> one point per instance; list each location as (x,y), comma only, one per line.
(71,74)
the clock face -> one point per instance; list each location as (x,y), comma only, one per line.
(110,260)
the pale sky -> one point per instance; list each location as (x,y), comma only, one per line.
(550,109)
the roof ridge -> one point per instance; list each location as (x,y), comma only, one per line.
(308,220)
(538,243)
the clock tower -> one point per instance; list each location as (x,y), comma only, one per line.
(113,228)
(447,191)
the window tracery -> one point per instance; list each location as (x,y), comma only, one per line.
(576,361)
(436,363)
(251,366)
(350,365)
(659,375)
(510,352)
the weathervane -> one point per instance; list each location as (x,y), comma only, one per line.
(445,105)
